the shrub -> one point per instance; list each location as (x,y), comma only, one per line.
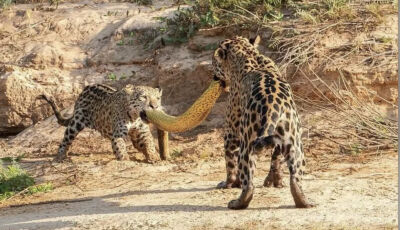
(212,13)
(13,179)
(5,3)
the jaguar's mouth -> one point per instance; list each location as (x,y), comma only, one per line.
(222,83)
(144,117)
(192,117)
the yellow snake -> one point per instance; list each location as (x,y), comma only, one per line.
(192,117)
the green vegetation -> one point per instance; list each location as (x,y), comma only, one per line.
(142,2)
(54,2)
(12,159)
(45,187)
(114,77)
(5,3)
(14,180)
(181,27)
(176,153)
(376,10)
(128,40)
(254,15)
(213,13)
(307,16)
(324,11)
(353,149)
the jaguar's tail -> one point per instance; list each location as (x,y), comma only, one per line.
(265,141)
(60,119)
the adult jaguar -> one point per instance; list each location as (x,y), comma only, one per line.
(261,113)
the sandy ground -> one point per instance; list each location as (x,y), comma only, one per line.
(98,192)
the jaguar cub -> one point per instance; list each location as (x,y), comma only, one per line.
(113,113)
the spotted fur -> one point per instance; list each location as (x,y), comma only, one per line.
(113,113)
(261,113)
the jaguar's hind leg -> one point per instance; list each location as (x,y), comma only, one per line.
(74,127)
(295,162)
(246,172)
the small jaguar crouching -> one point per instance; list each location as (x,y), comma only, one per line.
(113,113)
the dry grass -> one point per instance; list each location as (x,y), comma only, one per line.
(357,118)
(295,41)
(296,45)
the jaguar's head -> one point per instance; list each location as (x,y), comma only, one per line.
(227,54)
(142,98)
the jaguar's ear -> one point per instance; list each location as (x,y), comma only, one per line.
(220,54)
(255,41)
(159,89)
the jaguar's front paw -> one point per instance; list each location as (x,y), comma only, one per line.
(226,185)
(124,157)
(237,204)
(60,158)
(153,159)
(306,205)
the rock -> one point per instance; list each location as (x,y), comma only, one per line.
(39,136)
(55,54)
(19,88)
